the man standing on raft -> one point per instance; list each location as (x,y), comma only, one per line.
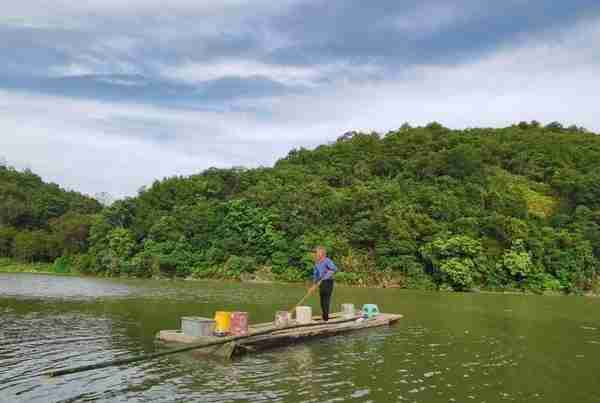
(323,275)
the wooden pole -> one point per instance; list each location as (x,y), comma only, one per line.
(224,340)
(310,291)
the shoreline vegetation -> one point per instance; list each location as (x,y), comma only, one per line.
(429,208)
(9,266)
(12,266)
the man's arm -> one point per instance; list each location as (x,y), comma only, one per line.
(331,266)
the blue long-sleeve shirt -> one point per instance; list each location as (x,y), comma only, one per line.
(324,270)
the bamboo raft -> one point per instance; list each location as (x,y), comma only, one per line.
(260,337)
(266,335)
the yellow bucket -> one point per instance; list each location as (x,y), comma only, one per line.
(222,321)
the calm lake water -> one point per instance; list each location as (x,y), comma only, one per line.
(448,347)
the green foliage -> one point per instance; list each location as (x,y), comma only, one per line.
(168,258)
(569,258)
(414,275)
(280,262)
(7,238)
(26,202)
(72,231)
(464,160)
(34,246)
(247,230)
(455,258)
(39,221)
(419,207)
(83,263)
(236,265)
(121,243)
(8,265)
(234,268)
(63,265)
(459,272)
(114,260)
(517,261)
(145,264)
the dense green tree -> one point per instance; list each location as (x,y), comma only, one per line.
(429,207)
(517,261)
(72,232)
(41,221)
(7,238)
(455,258)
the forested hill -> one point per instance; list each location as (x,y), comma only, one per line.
(41,221)
(425,207)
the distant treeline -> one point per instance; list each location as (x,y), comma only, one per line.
(425,207)
(40,222)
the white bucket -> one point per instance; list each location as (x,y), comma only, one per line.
(348,311)
(304,314)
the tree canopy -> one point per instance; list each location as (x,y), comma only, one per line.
(427,207)
(40,221)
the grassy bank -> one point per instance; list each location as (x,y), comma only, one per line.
(12,266)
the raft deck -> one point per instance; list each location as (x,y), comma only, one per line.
(280,336)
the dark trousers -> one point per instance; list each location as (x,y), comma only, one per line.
(325,291)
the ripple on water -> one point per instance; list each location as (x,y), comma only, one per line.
(424,360)
(27,286)
(35,343)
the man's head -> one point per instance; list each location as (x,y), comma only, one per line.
(320,252)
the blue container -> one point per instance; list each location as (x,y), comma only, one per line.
(370,311)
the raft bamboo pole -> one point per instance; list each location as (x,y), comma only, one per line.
(151,356)
(310,291)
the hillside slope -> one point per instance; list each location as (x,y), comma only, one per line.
(40,221)
(426,207)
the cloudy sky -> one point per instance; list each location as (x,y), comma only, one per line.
(108,95)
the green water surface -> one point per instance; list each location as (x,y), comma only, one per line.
(447,348)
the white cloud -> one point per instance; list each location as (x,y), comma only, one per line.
(95,146)
(94,63)
(42,12)
(534,81)
(284,74)
(200,72)
(70,70)
(121,81)
(116,37)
